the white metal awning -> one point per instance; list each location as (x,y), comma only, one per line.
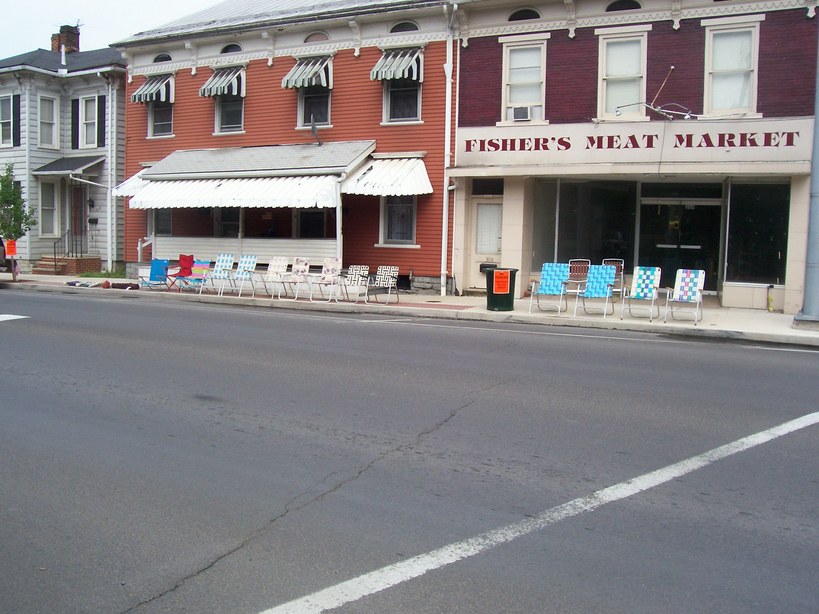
(298,192)
(130,186)
(225,81)
(399,64)
(159,88)
(389,177)
(310,71)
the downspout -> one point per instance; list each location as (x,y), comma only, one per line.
(448,69)
(339,210)
(810,302)
(112,165)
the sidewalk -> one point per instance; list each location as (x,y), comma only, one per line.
(717,323)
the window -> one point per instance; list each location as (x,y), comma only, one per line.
(48,122)
(49,215)
(88,122)
(623,5)
(758,233)
(314,102)
(163,219)
(398,220)
(524,15)
(229,113)
(524,60)
(316,37)
(231,48)
(162,57)
(402,72)
(404,26)
(621,86)
(6,121)
(161,118)
(731,52)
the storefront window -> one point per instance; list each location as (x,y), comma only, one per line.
(758,233)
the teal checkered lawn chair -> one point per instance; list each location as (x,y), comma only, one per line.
(245,272)
(645,289)
(221,272)
(686,295)
(598,285)
(552,283)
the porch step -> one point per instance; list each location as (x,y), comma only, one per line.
(48,266)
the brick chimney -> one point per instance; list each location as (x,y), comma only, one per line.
(68,36)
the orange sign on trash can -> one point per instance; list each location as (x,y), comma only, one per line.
(11,247)
(500,282)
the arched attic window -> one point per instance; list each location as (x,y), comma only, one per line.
(404,26)
(524,14)
(162,57)
(316,37)
(623,5)
(231,48)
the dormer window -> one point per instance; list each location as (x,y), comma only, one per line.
(524,15)
(623,5)
(404,26)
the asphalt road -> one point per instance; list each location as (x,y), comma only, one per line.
(206,458)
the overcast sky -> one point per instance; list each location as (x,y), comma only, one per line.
(27,26)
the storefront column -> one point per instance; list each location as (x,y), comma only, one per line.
(516,245)
(797,244)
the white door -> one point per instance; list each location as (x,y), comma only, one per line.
(486,241)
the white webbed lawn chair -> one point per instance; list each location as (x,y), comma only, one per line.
(686,295)
(645,288)
(385,281)
(299,275)
(276,271)
(598,285)
(552,283)
(245,271)
(356,280)
(329,278)
(221,272)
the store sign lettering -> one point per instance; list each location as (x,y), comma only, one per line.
(720,140)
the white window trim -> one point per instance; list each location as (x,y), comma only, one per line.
(82,124)
(151,134)
(57,231)
(300,119)
(382,227)
(55,123)
(10,120)
(748,23)
(626,33)
(217,118)
(518,42)
(385,112)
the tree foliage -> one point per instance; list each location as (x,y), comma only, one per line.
(15,218)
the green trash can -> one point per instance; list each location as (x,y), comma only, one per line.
(500,288)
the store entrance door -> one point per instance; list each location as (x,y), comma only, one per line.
(681,235)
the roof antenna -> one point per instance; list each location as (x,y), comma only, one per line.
(314,129)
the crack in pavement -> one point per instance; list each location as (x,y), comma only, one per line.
(290,507)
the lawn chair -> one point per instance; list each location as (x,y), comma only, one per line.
(385,281)
(552,282)
(619,264)
(182,272)
(598,285)
(645,285)
(156,276)
(245,271)
(686,295)
(276,270)
(357,278)
(199,273)
(330,272)
(220,272)
(578,272)
(299,274)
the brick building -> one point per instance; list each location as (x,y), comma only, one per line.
(666,133)
(287,129)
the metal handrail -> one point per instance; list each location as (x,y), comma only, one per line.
(69,246)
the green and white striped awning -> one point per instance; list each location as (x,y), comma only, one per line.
(225,81)
(399,64)
(310,71)
(159,88)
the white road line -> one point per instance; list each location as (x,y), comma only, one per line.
(7,316)
(392,575)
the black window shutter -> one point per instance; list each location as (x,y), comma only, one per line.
(100,121)
(15,120)
(75,123)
